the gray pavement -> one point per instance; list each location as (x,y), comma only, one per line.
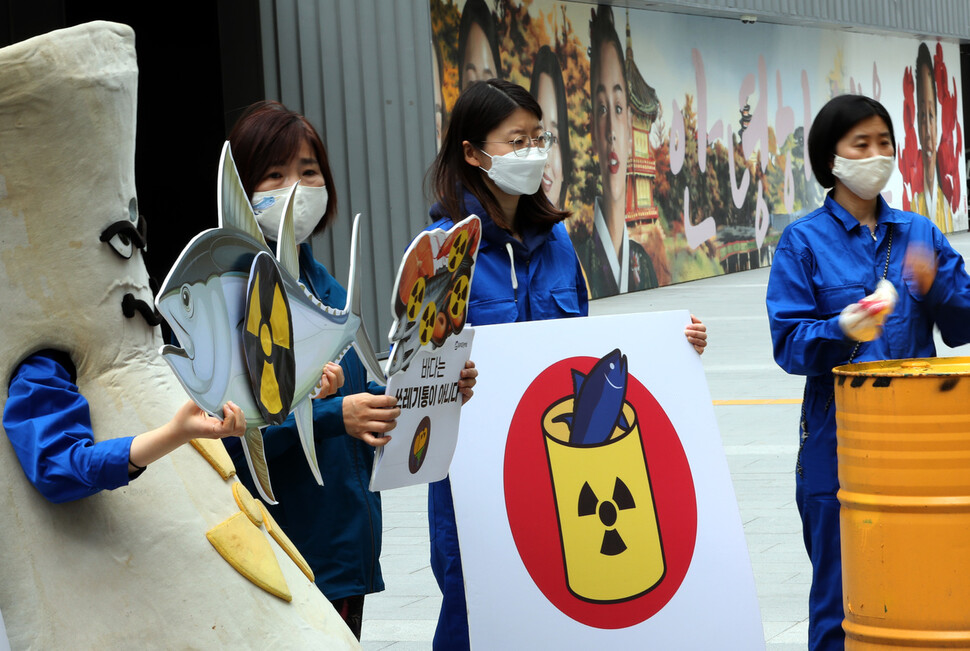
(760,443)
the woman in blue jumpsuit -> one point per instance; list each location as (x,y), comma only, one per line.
(337,526)
(826,262)
(490,164)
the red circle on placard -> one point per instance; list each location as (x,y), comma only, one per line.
(530,502)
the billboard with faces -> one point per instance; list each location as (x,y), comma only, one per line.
(680,140)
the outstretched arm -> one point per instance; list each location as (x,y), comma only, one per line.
(189,422)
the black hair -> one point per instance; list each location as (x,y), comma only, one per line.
(833,121)
(602,31)
(481,108)
(476,12)
(924,60)
(546,63)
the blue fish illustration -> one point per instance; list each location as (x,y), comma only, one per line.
(204,300)
(598,405)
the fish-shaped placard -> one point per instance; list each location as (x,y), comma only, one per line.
(248,329)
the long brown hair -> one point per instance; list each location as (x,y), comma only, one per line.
(269,134)
(479,110)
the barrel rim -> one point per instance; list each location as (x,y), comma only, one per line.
(892,368)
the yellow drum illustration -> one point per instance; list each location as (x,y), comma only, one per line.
(611,544)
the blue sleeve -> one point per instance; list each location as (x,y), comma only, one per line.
(948,300)
(804,344)
(581,291)
(49,425)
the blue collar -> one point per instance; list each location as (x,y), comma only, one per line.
(533,236)
(884,214)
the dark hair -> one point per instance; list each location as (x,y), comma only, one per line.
(602,31)
(476,12)
(833,121)
(546,63)
(924,60)
(481,108)
(268,134)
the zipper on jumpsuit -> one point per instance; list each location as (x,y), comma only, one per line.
(515,280)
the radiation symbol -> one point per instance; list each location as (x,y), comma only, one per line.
(268,340)
(415,299)
(458,250)
(458,303)
(426,327)
(590,505)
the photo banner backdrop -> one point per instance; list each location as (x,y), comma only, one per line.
(681,139)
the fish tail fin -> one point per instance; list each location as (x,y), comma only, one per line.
(256,460)
(365,349)
(304,425)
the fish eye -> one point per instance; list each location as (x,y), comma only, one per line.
(186,296)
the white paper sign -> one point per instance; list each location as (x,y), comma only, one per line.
(592,494)
(423,442)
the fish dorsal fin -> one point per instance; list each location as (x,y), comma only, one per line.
(235,210)
(286,250)
(365,349)
(578,379)
(353,279)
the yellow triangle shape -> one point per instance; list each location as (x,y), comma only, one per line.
(213,451)
(279,319)
(284,542)
(247,503)
(269,390)
(244,546)
(252,323)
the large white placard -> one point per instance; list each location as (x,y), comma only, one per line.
(594,504)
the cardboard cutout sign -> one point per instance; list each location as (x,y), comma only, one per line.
(593,476)
(429,348)
(251,333)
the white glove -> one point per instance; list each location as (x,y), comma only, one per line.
(863,321)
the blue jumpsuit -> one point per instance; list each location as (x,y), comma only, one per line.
(550,285)
(824,262)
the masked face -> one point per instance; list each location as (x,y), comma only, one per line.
(309,205)
(516,174)
(864,158)
(514,153)
(310,199)
(866,177)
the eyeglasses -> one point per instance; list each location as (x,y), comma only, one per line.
(523,144)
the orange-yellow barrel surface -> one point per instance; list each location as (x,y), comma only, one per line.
(904,472)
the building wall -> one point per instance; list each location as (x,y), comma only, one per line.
(360,70)
(922,18)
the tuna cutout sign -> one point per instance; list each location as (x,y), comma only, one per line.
(248,330)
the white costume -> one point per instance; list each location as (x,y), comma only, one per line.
(132,565)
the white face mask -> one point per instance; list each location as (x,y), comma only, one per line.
(517,174)
(866,177)
(309,205)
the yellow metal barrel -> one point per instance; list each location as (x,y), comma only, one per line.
(904,473)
